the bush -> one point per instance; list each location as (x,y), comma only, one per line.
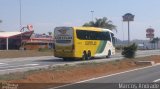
(129,51)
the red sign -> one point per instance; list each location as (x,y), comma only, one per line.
(150,31)
(30,27)
(150,35)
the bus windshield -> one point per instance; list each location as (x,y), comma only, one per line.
(63,35)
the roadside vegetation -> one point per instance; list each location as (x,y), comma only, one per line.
(0,21)
(155,42)
(129,51)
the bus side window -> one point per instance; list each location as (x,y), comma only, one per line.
(107,36)
(113,39)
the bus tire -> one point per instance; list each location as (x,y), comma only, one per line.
(84,56)
(89,54)
(109,54)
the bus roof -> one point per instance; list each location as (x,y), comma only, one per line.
(93,28)
(88,28)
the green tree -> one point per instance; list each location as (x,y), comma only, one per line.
(155,41)
(1,22)
(129,51)
(50,33)
(101,23)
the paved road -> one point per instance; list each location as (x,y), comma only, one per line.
(136,79)
(24,64)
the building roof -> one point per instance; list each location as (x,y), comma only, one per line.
(8,34)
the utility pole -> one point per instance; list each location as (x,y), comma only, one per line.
(92,14)
(127,18)
(20,14)
(128,33)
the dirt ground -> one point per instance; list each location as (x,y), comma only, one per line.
(155,58)
(70,74)
(24,53)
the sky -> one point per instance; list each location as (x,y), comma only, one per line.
(45,15)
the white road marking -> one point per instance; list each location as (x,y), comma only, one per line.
(157,80)
(3,64)
(31,64)
(105,76)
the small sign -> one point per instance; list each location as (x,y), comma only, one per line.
(150,35)
(128,17)
(150,31)
(30,27)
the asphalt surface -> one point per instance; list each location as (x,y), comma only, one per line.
(133,79)
(30,63)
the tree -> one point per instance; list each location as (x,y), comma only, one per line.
(1,22)
(49,33)
(129,51)
(154,41)
(101,23)
(157,41)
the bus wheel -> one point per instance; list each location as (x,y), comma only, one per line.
(109,54)
(89,54)
(84,56)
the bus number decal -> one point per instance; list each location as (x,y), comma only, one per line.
(90,43)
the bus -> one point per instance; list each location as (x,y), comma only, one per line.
(83,42)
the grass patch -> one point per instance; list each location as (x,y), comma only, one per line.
(13,76)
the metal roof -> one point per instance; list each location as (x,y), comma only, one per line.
(8,34)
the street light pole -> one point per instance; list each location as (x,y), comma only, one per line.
(123,30)
(20,14)
(92,14)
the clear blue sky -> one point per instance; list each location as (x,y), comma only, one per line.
(45,15)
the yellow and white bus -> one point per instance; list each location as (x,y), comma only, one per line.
(83,42)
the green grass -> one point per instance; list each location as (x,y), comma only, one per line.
(13,76)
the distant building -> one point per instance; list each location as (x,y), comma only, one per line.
(142,44)
(13,40)
(38,41)
(27,40)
